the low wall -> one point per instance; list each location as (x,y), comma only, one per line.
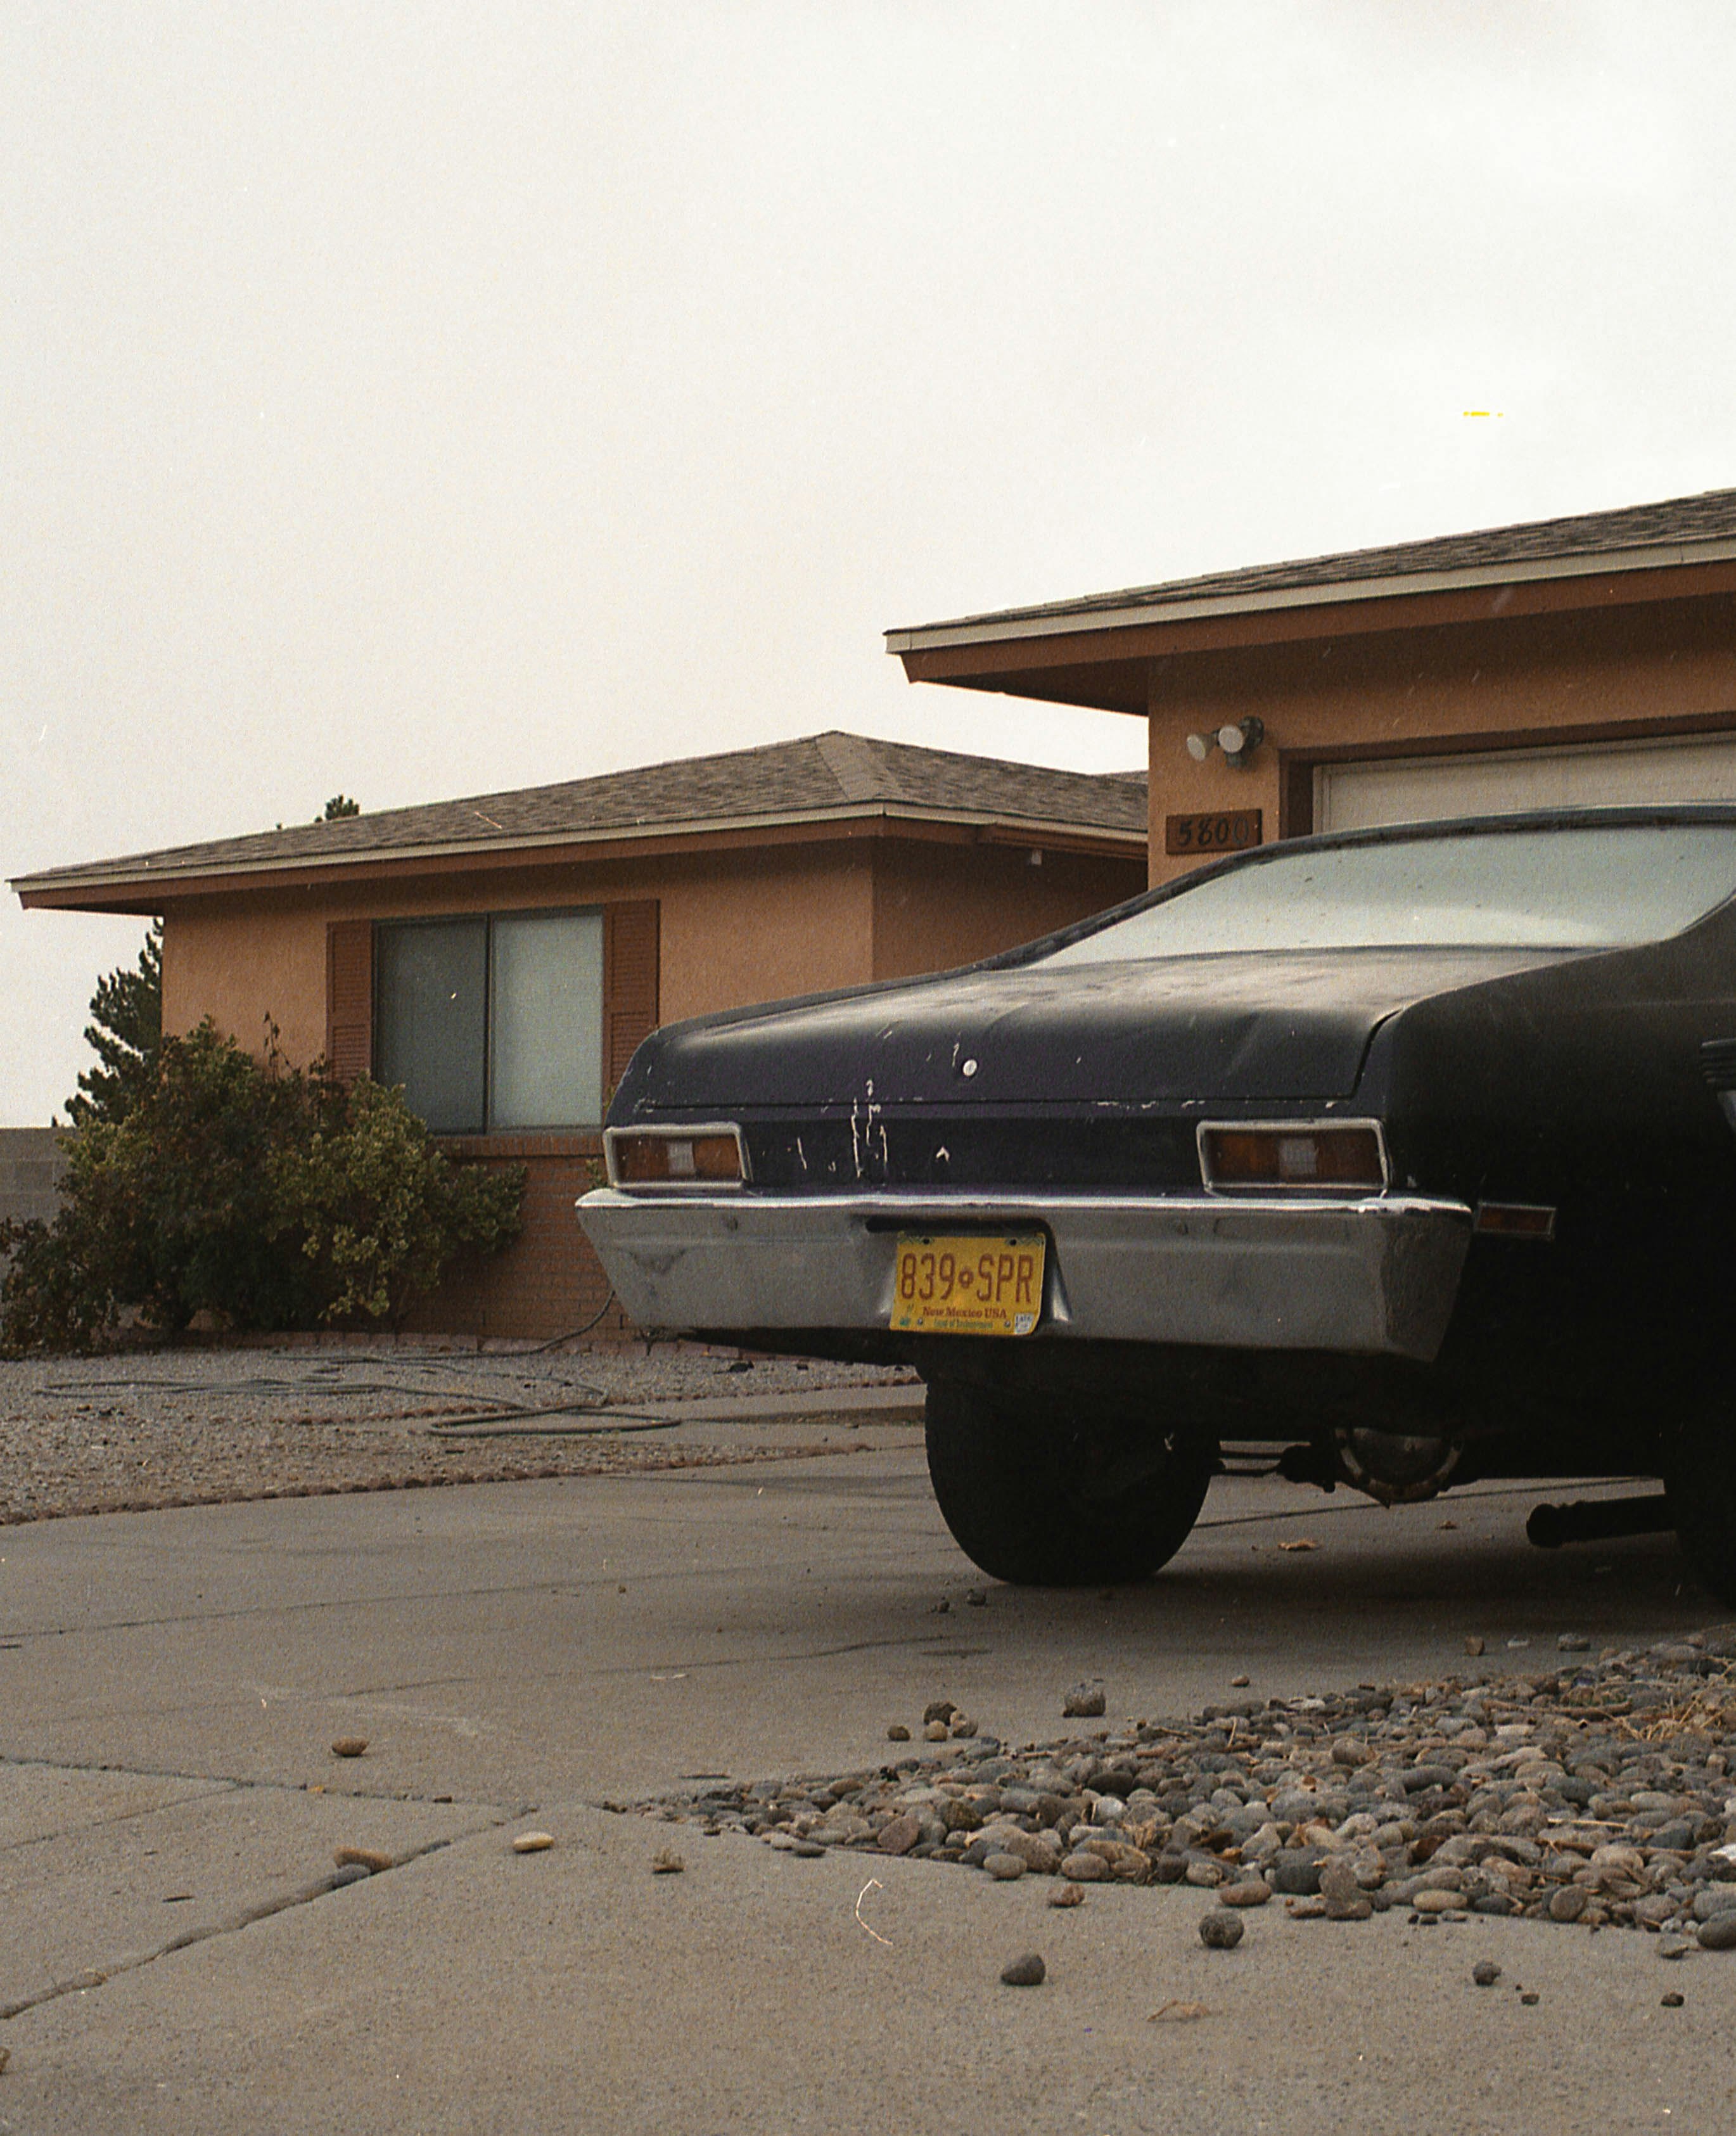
(31,1165)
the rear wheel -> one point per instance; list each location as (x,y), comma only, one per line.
(1701,1486)
(1046,1492)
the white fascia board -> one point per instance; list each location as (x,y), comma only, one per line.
(1013,623)
(141,875)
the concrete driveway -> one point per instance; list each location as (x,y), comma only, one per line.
(171,1684)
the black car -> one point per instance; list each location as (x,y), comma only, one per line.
(1405,1155)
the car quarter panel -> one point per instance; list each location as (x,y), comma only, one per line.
(1579,1088)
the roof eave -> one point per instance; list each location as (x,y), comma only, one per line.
(77,889)
(1015,623)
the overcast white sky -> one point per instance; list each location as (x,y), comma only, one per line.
(417,400)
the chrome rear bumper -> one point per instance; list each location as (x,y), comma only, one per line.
(1278,1273)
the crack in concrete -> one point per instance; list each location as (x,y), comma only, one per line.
(200,1790)
(927,1641)
(236,1782)
(133,1961)
(558,1587)
(280,1609)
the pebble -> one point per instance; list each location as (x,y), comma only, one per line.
(938,1709)
(1085,1701)
(1485,1973)
(935,1731)
(1672,1946)
(533,1842)
(1474,1646)
(1238,1683)
(1344,1898)
(349,1746)
(1254,1893)
(1220,1930)
(1085,1868)
(1068,1894)
(1573,1642)
(1719,1933)
(1599,1785)
(1529,1997)
(1672,2001)
(1295,1871)
(667,1862)
(1004,1868)
(977,1597)
(1026,1972)
(373,1859)
(808,1849)
(1040,1851)
(898,1733)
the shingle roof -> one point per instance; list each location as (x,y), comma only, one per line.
(1677,525)
(823,776)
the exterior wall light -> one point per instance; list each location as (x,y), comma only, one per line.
(1238,742)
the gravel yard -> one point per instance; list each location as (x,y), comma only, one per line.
(1597,1790)
(129,1433)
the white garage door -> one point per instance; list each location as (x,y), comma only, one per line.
(1414,789)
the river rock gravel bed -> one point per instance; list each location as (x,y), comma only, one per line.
(131,1433)
(1600,1792)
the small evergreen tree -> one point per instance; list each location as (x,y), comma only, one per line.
(339,805)
(126,1034)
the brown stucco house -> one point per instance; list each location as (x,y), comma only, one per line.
(1581,660)
(501,957)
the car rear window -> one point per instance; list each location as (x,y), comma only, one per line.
(1589,888)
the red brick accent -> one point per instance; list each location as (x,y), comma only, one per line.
(630,948)
(549,1282)
(350,997)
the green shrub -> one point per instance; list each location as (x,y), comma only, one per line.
(269,1197)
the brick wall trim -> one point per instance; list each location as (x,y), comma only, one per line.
(630,959)
(350,997)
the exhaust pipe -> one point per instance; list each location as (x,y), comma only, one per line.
(1599,1519)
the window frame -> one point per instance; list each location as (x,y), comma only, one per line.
(487,1131)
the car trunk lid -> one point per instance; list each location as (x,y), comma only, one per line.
(1243,1027)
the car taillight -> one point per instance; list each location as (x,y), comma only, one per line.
(1305,1155)
(1515,1220)
(680,1157)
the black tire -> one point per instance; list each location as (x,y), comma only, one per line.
(1701,1487)
(1043,1492)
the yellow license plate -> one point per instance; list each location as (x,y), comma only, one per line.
(972,1283)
